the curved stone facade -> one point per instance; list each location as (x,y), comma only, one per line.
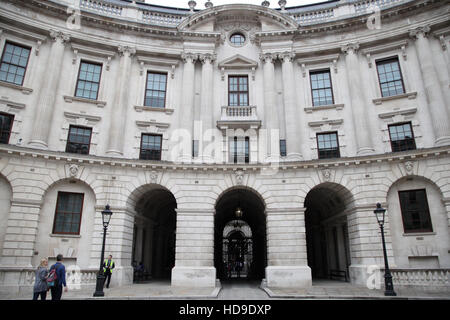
(306,119)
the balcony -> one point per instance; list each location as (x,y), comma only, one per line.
(238,117)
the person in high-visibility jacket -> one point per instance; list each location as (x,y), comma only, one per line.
(108,265)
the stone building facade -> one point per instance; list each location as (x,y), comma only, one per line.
(302,117)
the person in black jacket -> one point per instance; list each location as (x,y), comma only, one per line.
(57,289)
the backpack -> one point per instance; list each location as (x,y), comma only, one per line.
(52,278)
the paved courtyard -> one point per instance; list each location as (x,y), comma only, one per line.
(240,290)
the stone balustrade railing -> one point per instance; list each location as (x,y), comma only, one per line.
(421,277)
(233,113)
(168,17)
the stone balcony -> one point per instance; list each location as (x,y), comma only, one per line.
(238,117)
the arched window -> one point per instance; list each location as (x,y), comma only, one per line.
(237,39)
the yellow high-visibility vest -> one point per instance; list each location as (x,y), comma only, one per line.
(108,265)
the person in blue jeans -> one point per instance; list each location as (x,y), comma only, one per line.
(57,289)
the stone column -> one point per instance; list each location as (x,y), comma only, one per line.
(206,103)
(21,232)
(45,105)
(358,100)
(366,248)
(433,90)
(194,254)
(287,262)
(187,105)
(270,111)
(293,132)
(120,104)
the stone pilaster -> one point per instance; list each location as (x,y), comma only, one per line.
(45,104)
(270,110)
(293,132)
(194,254)
(433,90)
(21,232)
(358,100)
(206,102)
(287,264)
(120,104)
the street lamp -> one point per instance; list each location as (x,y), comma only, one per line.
(389,286)
(106,217)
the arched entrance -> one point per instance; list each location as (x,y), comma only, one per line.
(153,249)
(327,241)
(240,239)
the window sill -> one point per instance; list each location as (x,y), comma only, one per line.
(146,108)
(419,234)
(17,87)
(325,107)
(410,95)
(60,235)
(98,103)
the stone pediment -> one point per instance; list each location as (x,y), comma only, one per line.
(238,62)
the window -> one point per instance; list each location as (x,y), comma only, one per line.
(283,148)
(195,144)
(238,91)
(328,145)
(402,137)
(150,147)
(321,89)
(69,207)
(415,212)
(390,77)
(155,90)
(79,140)
(14,63)
(6,123)
(237,39)
(239,150)
(88,80)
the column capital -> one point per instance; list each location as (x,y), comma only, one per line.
(268,57)
(189,57)
(126,50)
(59,36)
(207,57)
(350,47)
(287,56)
(423,31)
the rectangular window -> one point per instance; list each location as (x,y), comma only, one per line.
(402,137)
(6,123)
(283,148)
(390,77)
(328,145)
(239,150)
(69,207)
(14,63)
(155,90)
(150,147)
(415,211)
(79,140)
(88,80)
(238,91)
(321,89)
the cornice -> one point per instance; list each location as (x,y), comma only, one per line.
(7,151)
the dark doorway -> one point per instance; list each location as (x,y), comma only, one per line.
(240,241)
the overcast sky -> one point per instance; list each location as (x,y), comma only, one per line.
(201,3)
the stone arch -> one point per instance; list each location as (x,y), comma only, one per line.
(431,251)
(240,187)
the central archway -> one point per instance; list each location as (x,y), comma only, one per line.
(240,250)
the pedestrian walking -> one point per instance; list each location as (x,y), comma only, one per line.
(60,269)
(108,265)
(40,283)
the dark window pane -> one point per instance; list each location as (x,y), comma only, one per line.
(402,137)
(68,213)
(237,39)
(6,122)
(79,140)
(327,145)
(321,90)
(238,91)
(155,93)
(150,147)
(239,151)
(415,211)
(283,148)
(14,63)
(391,82)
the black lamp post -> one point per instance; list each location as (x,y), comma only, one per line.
(388,285)
(106,216)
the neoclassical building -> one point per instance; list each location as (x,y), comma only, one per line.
(234,137)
